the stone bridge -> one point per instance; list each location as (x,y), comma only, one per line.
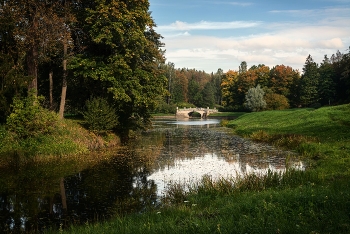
(187,112)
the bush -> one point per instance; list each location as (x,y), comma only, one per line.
(165,108)
(276,101)
(315,105)
(99,115)
(29,119)
(254,99)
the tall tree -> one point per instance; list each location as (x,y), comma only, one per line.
(36,26)
(341,90)
(309,83)
(345,76)
(326,83)
(281,79)
(65,33)
(245,81)
(243,67)
(228,88)
(263,74)
(208,95)
(194,92)
(170,74)
(180,87)
(217,79)
(122,54)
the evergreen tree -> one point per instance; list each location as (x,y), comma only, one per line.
(309,83)
(345,75)
(208,95)
(194,95)
(217,79)
(326,83)
(337,61)
(243,67)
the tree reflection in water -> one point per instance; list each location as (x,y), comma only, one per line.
(118,186)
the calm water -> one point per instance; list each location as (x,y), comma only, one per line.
(39,197)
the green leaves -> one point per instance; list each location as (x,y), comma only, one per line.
(121,57)
(29,119)
(254,99)
(99,115)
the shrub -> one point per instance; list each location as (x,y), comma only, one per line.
(254,99)
(99,115)
(315,105)
(276,101)
(163,107)
(29,119)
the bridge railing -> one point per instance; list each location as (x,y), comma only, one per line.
(196,109)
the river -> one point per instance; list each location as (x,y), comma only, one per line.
(136,177)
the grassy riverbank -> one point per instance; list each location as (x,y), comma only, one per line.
(321,135)
(314,201)
(68,140)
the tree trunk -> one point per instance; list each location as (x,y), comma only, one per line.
(64,80)
(63,195)
(32,61)
(51,88)
(32,65)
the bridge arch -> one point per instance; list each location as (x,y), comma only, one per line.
(187,112)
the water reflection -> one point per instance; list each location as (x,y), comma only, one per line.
(41,196)
(195,122)
(190,152)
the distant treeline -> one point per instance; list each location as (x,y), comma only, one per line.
(327,83)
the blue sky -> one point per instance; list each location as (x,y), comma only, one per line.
(208,34)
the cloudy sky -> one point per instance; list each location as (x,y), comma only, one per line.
(211,34)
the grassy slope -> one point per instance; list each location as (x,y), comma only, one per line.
(68,141)
(327,128)
(227,114)
(315,201)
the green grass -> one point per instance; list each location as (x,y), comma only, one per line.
(313,201)
(329,124)
(227,114)
(322,135)
(162,114)
(69,139)
(308,208)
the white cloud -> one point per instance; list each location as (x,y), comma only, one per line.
(243,4)
(210,53)
(240,3)
(207,25)
(274,43)
(321,12)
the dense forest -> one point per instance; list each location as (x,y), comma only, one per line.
(84,57)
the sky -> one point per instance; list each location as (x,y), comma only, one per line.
(210,34)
